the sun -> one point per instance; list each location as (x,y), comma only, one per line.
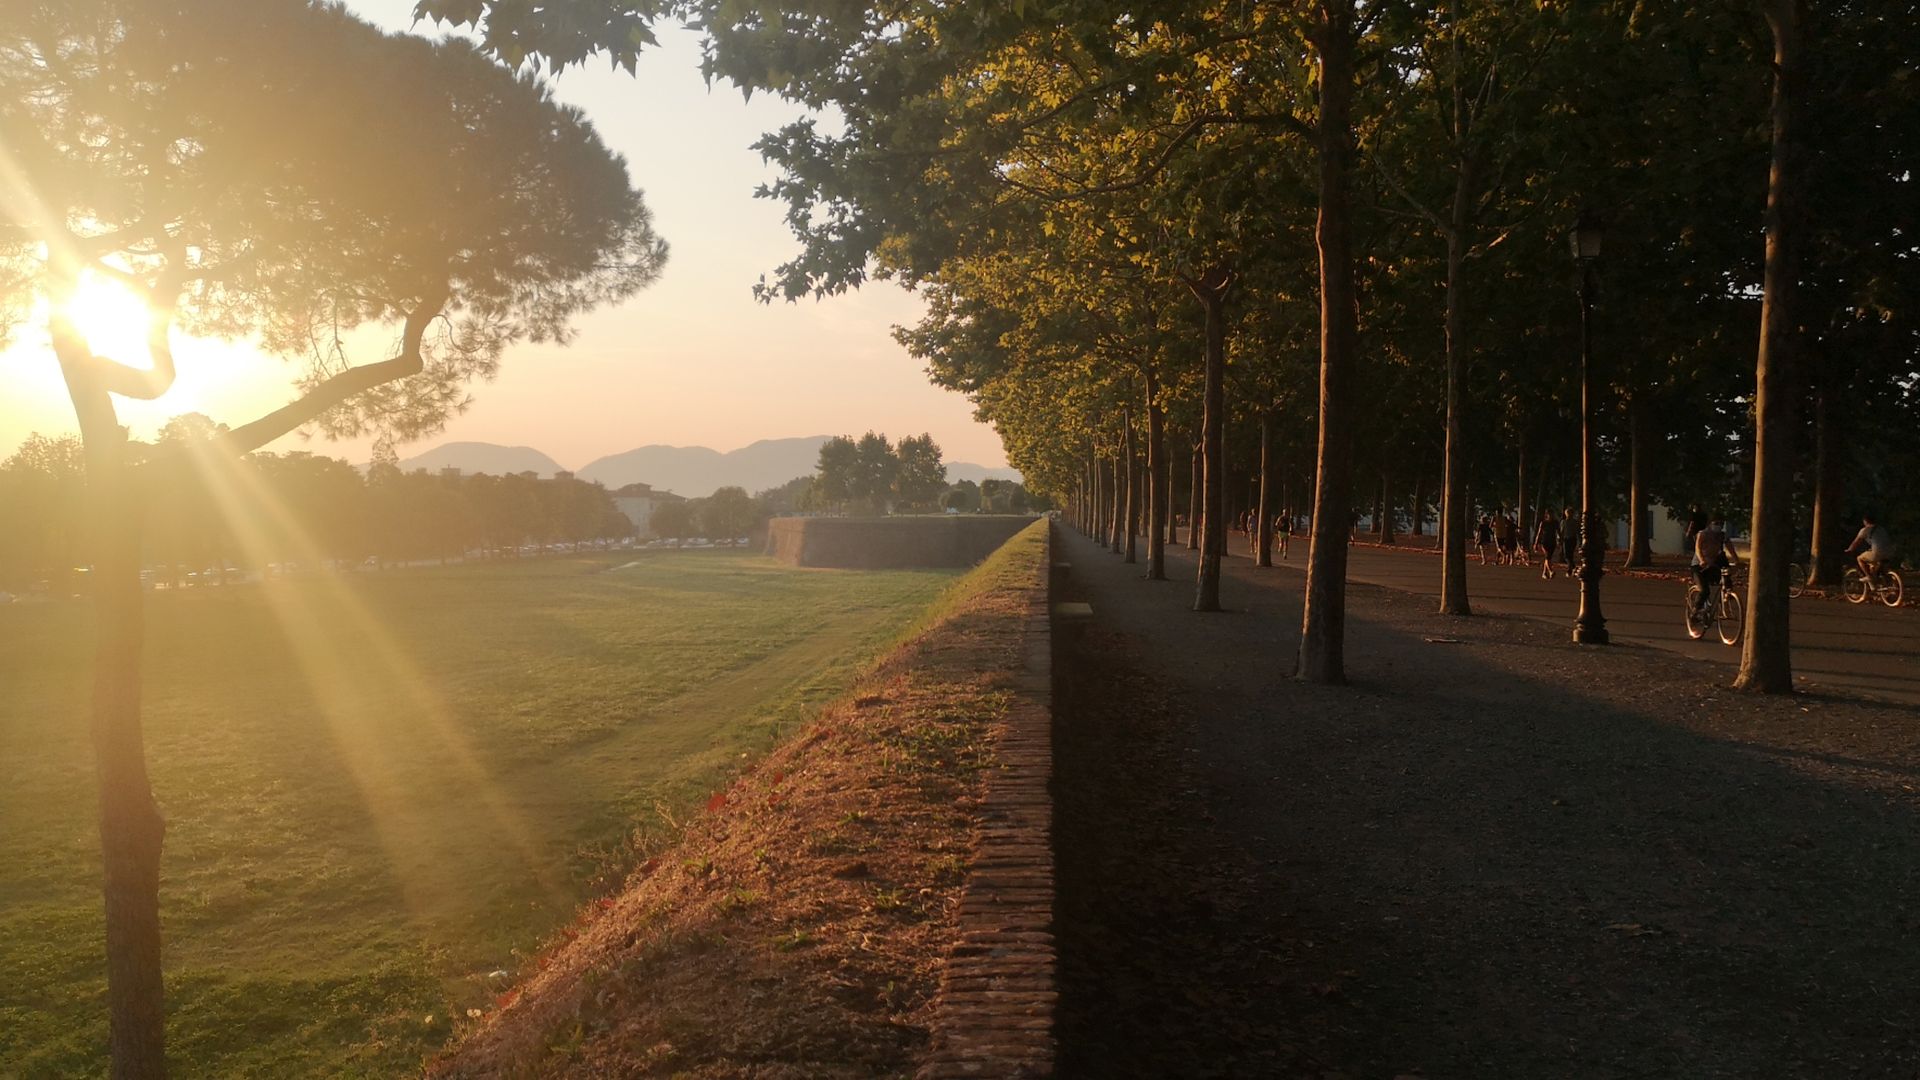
(112,317)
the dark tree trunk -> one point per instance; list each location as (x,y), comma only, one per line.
(1419,509)
(1829,490)
(1766,659)
(131,827)
(1157,483)
(1263,513)
(1323,623)
(1520,488)
(1117,482)
(1133,491)
(1640,451)
(1212,292)
(1193,503)
(1386,510)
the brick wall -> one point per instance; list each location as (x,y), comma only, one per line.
(890,543)
(993,1016)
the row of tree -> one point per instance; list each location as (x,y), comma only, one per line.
(292,508)
(872,475)
(1209,241)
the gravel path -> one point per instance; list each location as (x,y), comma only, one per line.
(1497,856)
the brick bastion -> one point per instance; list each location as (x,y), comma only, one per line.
(890,543)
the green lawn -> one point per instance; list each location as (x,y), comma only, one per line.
(380,788)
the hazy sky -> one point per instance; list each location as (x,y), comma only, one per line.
(694,360)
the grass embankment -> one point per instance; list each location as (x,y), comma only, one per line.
(382,788)
(797,927)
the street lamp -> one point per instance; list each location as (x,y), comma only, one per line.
(1589,627)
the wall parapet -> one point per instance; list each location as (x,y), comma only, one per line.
(994,1013)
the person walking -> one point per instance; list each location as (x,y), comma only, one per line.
(1547,538)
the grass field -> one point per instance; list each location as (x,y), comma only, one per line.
(383,787)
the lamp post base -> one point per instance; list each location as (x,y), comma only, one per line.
(1591,635)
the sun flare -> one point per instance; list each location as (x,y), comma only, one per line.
(112,317)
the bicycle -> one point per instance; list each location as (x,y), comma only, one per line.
(1721,612)
(1885,586)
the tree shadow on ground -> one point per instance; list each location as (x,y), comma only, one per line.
(1508,859)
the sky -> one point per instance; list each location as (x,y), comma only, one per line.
(693,360)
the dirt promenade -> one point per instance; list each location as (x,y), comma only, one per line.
(1494,857)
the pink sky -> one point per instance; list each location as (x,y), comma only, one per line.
(692,361)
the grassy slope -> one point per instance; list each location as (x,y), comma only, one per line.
(379,789)
(812,905)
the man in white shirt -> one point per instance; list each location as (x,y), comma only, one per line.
(1874,544)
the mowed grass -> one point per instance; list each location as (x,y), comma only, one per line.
(381,788)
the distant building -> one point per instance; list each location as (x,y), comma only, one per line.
(638,501)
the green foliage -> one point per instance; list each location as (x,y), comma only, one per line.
(727,513)
(209,154)
(920,476)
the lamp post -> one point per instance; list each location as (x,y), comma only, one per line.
(1589,627)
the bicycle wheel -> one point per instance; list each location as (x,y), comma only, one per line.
(1892,589)
(1696,616)
(1731,621)
(1796,579)
(1854,584)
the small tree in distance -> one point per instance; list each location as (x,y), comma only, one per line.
(726,514)
(921,476)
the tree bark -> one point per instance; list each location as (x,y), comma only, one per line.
(1158,482)
(1323,623)
(1766,659)
(1828,535)
(1193,503)
(1133,491)
(1386,510)
(1263,513)
(1520,488)
(1211,289)
(1640,452)
(1419,511)
(1118,521)
(131,827)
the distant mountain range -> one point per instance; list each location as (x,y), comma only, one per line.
(693,471)
(480,457)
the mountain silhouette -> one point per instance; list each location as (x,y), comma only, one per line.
(480,457)
(693,471)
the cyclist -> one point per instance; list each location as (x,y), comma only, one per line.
(1712,554)
(1875,546)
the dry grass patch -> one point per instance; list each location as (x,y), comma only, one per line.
(796,928)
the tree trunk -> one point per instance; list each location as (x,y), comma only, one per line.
(1640,450)
(1419,510)
(1829,489)
(1386,510)
(1133,491)
(1157,483)
(131,827)
(1263,512)
(1766,659)
(1212,291)
(1520,489)
(1118,485)
(1193,503)
(1323,623)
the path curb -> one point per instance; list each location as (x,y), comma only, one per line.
(993,1014)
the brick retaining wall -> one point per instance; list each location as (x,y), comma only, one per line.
(891,543)
(993,1015)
